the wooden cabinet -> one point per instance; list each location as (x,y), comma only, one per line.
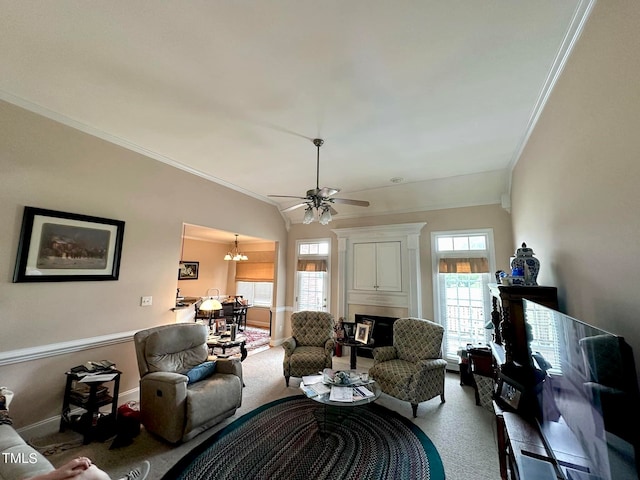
(377,266)
(379,270)
(508,317)
(515,435)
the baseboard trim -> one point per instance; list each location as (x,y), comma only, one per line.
(52,425)
(63,348)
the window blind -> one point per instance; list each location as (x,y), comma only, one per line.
(312,265)
(259,268)
(463,265)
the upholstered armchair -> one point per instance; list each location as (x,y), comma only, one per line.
(184,390)
(310,348)
(413,368)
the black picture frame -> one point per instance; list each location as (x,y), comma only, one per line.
(510,394)
(349,329)
(67,247)
(188,270)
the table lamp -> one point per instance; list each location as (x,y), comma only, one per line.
(210,305)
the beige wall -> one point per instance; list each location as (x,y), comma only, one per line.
(488,216)
(575,189)
(48,165)
(213,268)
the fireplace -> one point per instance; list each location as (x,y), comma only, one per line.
(382,332)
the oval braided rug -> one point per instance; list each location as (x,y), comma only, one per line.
(296,438)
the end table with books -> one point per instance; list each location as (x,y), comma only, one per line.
(87,388)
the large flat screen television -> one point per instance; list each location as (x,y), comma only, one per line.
(588,402)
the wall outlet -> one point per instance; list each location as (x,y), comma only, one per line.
(146,301)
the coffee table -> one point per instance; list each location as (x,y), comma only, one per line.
(225,342)
(329,404)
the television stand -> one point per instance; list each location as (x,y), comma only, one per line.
(521,450)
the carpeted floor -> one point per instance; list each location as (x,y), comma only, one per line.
(302,439)
(463,433)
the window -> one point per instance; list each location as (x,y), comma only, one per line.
(258,294)
(254,278)
(312,275)
(463,262)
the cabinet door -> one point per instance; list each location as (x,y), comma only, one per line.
(388,267)
(364,266)
(377,266)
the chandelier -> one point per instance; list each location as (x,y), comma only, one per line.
(235,254)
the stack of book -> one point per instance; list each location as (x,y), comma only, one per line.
(79,394)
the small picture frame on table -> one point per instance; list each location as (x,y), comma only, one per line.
(221,325)
(348,330)
(367,321)
(362,333)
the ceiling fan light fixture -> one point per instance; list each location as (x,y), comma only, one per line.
(320,199)
(325,216)
(308,215)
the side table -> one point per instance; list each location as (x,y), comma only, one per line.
(91,396)
(225,342)
(481,367)
(353,346)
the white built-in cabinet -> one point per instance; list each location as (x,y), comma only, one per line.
(377,266)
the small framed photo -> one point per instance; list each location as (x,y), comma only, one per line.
(188,270)
(509,394)
(221,325)
(348,330)
(362,333)
(67,247)
(371,323)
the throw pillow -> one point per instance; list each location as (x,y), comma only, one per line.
(200,372)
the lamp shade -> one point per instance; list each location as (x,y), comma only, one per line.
(325,216)
(308,215)
(211,304)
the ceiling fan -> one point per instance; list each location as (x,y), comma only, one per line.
(320,199)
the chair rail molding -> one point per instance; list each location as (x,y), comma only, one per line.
(408,234)
(44,351)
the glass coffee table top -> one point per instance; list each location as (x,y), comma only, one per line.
(322,389)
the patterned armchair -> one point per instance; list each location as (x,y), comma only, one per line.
(310,349)
(413,368)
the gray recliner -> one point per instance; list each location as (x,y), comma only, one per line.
(169,406)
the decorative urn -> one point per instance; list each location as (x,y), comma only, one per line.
(527,263)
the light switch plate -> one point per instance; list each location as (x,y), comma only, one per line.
(146,301)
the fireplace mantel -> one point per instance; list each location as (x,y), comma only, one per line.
(406,298)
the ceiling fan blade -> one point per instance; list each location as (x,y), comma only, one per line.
(287,196)
(325,192)
(346,201)
(333,211)
(293,207)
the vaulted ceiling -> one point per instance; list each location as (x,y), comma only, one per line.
(422,104)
